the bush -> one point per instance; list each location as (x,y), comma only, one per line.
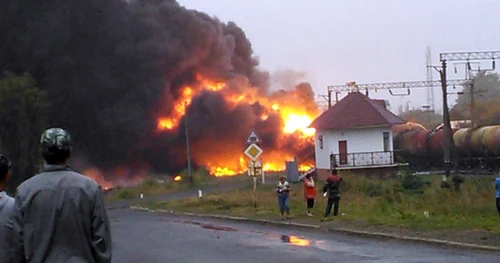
(150,183)
(373,189)
(412,184)
(457,180)
(445,185)
(199,176)
(125,194)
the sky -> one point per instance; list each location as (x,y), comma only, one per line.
(367,41)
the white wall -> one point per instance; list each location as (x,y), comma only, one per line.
(361,140)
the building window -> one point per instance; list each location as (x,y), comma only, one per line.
(387,141)
(320,139)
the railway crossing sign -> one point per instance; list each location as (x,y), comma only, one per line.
(253,152)
(253,137)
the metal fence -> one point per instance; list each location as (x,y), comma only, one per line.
(364,159)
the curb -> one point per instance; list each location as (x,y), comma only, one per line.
(338,230)
(235,218)
(415,239)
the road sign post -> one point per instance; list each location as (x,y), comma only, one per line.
(253,152)
(254,192)
(259,170)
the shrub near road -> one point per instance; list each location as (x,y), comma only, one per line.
(410,202)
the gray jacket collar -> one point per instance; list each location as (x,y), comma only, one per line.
(55,168)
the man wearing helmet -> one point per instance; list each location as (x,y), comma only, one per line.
(60,214)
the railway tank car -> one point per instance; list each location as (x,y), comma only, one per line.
(423,148)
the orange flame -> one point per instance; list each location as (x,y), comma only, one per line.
(97,176)
(296,119)
(177,178)
(117,177)
(299,241)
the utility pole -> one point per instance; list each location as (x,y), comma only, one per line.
(472,114)
(188,153)
(469,76)
(457,56)
(329,99)
(448,139)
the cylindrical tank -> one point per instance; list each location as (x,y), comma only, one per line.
(419,145)
(408,126)
(461,138)
(476,140)
(494,145)
(407,141)
(436,142)
(489,141)
(402,136)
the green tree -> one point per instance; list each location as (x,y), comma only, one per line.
(429,119)
(488,112)
(22,118)
(486,94)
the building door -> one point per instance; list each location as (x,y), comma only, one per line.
(342,152)
(387,142)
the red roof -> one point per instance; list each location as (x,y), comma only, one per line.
(381,103)
(354,111)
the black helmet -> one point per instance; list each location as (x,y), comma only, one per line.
(55,142)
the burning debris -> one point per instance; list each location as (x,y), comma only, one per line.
(220,116)
(118,177)
(145,65)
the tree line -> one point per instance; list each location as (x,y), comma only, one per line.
(23,112)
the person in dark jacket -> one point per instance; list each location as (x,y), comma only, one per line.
(6,213)
(332,188)
(59,214)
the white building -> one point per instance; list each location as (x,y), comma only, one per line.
(355,133)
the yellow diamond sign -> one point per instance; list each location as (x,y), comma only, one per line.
(253,151)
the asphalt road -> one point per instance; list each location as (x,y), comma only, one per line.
(155,237)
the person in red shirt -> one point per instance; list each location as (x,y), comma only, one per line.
(309,192)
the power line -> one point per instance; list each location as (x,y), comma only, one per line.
(463,56)
(353,86)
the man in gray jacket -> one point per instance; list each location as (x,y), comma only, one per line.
(60,215)
(6,212)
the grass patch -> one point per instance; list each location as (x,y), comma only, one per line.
(399,202)
(154,186)
(148,187)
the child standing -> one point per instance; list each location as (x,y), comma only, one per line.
(283,190)
(309,192)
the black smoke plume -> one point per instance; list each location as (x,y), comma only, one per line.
(111,68)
